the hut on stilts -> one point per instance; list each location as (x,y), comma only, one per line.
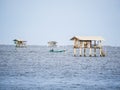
(52,43)
(90,42)
(20,43)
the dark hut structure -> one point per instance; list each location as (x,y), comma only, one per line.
(20,43)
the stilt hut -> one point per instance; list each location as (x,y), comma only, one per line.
(52,43)
(19,43)
(90,42)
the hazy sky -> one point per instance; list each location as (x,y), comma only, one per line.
(40,21)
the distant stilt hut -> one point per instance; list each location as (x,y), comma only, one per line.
(20,43)
(90,42)
(52,43)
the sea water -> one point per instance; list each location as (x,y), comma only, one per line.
(35,68)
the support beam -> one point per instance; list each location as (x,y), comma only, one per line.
(95,48)
(80,51)
(84,48)
(81,48)
(100,48)
(74,51)
(90,48)
(90,53)
(84,51)
(75,42)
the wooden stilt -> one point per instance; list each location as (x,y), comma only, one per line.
(84,51)
(100,48)
(80,51)
(95,51)
(74,51)
(100,51)
(95,48)
(90,47)
(90,54)
(75,44)
(80,48)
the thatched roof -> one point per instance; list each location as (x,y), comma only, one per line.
(97,38)
(19,40)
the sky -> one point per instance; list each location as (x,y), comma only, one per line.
(40,21)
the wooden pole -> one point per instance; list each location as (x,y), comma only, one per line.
(95,48)
(84,49)
(81,48)
(75,41)
(100,48)
(74,51)
(80,51)
(90,46)
(90,54)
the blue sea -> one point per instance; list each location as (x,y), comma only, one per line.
(35,68)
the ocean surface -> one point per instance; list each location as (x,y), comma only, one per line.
(35,68)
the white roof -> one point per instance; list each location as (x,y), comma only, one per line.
(88,38)
(52,42)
